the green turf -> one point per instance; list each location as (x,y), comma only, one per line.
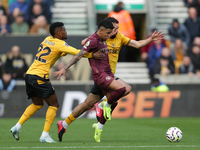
(118,134)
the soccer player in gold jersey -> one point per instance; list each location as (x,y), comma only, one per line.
(38,85)
(114,44)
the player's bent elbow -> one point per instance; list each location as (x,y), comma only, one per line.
(135,44)
(138,46)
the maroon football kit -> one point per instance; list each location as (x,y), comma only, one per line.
(101,71)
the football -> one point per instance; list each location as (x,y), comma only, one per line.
(174,134)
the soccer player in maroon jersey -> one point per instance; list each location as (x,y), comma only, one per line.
(101,70)
(114,44)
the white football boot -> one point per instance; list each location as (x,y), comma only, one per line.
(15,132)
(47,139)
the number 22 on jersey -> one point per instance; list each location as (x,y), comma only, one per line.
(43,51)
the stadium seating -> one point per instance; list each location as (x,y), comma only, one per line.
(77,15)
(166,11)
(133,72)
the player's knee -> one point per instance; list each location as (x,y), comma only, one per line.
(38,106)
(86,106)
(120,92)
(128,89)
(55,104)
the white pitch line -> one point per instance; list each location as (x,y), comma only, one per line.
(86,147)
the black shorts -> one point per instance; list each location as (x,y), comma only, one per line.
(38,87)
(96,90)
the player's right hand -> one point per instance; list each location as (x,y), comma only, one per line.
(98,55)
(59,73)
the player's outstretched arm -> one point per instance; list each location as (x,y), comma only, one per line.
(154,37)
(75,59)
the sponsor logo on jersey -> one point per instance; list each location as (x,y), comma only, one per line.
(104,50)
(113,51)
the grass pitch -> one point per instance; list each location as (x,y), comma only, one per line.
(118,134)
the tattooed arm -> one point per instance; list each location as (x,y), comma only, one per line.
(75,59)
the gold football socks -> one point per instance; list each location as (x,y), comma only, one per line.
(70,119)
(30,110)
(50,115)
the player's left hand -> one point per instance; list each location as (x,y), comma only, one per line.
(59,73)
(157,35)
(98,55)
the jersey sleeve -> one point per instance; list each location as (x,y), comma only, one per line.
(90,45)
(125,40)
(65,48)
(63,54)
(88,55)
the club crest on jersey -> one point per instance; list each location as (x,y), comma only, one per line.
(113,45)
(108,78)
(66,44)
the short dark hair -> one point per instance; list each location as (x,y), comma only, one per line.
(6,72)
(112,19)
(53,26)
(106,24)
(120,3)
(175,20)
